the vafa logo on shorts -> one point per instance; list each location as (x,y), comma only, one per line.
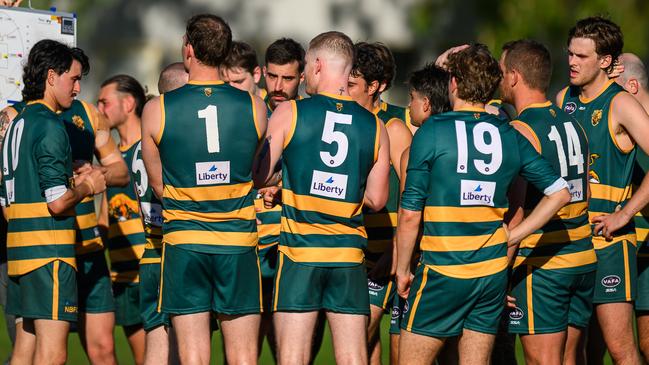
(208,173)
(611,281)
(374,286)
(329,184)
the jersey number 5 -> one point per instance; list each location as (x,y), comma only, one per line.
(493,147)
(329,135)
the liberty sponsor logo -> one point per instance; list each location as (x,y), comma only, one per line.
(477,192)
(610,282)
(208,173)
(515,316)
(329,184)
(576,188)
(152,213)
(373,286)
(570,107)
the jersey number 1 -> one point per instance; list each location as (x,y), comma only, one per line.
(211,128)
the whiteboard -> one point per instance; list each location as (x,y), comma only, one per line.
(20,29)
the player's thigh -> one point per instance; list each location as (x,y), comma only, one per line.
(294,334)
(418,349)
(237,284)
(475,347)
(51,334)
(349,332)
(615,320)
(642,299)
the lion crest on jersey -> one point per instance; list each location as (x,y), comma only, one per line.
(122,208)
(596,117)
(77,121)
(339,107)
(208,91)
(553,113)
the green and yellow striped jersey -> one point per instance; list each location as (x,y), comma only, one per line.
(641,219)
(150,208)
(459,175)
(81,127)
(126,238)
(564,243)
(36,170)
(611,167)
(322,220)
(207,145)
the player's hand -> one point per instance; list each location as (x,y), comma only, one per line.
(606,225)
(97,180)
(617,70)
(272,196)
(510,302)
(441,60)
(404,281)
(81,167)
(14,3)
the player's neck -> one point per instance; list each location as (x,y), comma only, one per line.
(593,88)
(459,104)
(199,72)
(335,86)
(129,131)
(525,98)
(50,100)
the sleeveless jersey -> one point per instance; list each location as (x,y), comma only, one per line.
(125,230)
(322,220)
(564,243)
(611,168)
(36,163)
(81,130)
(381,225)
(207,145)
(150,208)
(641,219)
(459,175)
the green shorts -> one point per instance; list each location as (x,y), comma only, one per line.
(127,304)
(547,301)
(268,261)
(305,288)
(441,306)
(195,282)
(616,278)
(396,314)
(642,298)
(94,285)
(49,292)
(149,298)
(381,292)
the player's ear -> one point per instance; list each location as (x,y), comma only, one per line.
(256,74)
(129,103)
(301,77)
(264,70)
(50,77)
(426,105)
(633,86)
(452,85)
(605,61)
(382,87)
(373,87)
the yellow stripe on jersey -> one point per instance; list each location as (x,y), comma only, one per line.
(88,246)
(55,290)
(323,254)
(564,261)
(377,138)
(612,133)
(293,227)
(247,213)
(150,260)
(463,243)
(254,115)
(41,238)
(573,210)
(600,242)
(131,253)
(291,131)
(320,205)
(262,247)
(259,204)
(473,270)
(562,236)
(642,234)
(463,214)
(215,238)
(28,210)
(20,267)
(158,136)
(153,243)
(606,192)
(87,220)
(380,220)
(125,276)
(125,228)
(265,230)
(215,192)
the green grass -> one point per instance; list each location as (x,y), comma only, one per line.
(325,356)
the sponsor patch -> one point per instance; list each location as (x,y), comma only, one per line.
(475,192)
(152,214)
(570,107)
(576,188)
(209,173)
(374,286)
(516,314)
(611,281)
(396,312)
(329,184)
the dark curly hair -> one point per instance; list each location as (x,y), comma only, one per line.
(476,73)
(389,64)
(211,38)
(368,63)
(129,85)
(284,51)
(241,55)
(607,36)
(44,56)
(432,82)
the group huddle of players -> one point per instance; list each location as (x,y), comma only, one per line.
(261,213)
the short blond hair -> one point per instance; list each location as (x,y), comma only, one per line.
(334,42)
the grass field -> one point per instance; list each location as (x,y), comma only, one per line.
(325,356)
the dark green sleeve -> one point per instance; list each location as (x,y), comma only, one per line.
(420,162)
(53,158)
(536,169)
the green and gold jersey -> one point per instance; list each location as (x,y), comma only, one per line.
(150,208)
(565,242)
(390,111)
(611,167)
(36,170)
(81,126)
(642,217)
(459,175)
(207,145)
(322,220)
(125,230)
(381,225)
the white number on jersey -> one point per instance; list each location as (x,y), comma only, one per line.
(137,165)
(493,148)
(329,135)
(14,144)
(211,128)
(574,156)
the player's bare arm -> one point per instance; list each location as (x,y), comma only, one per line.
(90,184)
(542,213)
(630,125)
(106,151)
(400,139)
(271,148)
(378,183)
(407,231)
(151,128)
